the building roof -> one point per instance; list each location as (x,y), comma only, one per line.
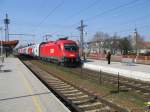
(147,43)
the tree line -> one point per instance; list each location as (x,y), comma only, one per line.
(130,44)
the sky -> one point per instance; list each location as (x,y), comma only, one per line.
(62,17)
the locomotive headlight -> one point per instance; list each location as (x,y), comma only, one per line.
(72,55)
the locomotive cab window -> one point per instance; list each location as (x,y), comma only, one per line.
(59,47)
(70,47)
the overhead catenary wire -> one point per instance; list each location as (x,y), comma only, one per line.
(106,11)
(84,9)
(133,26)
(133,20)
(50,13)
(79,12)
(136,19)
(102,13)
(110,10)
(127,22)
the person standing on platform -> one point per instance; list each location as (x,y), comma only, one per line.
(108,57)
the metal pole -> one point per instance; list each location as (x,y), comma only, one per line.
(1,29)
(136,40)
(81,29)
(118,83)
(100,76)
(6,22)
(82,41)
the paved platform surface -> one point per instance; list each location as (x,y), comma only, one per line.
(21,91)
(136,71)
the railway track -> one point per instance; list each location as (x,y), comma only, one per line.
(78,99)
(122,83)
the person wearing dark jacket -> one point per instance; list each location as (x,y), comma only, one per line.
(108,57)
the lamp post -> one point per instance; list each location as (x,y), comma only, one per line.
(1,29)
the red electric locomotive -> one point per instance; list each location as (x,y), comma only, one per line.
(62,51)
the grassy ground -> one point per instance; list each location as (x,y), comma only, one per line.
(129,100)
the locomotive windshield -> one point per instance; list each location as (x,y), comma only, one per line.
(70,47)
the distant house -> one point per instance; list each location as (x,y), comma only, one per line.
(147,44)
(146,48)
(105,45)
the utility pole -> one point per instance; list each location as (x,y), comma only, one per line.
(136,40)
(6,22)
(81,29)
(1,29)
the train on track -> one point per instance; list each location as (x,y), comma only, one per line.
(62,51)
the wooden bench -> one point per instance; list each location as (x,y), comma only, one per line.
(127,61)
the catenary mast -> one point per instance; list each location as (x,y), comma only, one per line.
(6,22)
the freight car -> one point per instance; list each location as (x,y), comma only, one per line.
(62,51)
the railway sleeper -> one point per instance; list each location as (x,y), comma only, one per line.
(54,81)
(69,91)
(112,79)
(104,109)
(46,76)
(78,97)
(137,91)
(82,101)
(146,94)
(129,89)
(146,86)
(90,106)
(73,94)
(69,87)
(138,85)
(137,88)
(131,83)
(59,87)
(78,102)
(49,80)
(54,78)
(66,88)
(125,81)
(106,81)
(123,87)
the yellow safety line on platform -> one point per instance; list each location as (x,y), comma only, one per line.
(29,88)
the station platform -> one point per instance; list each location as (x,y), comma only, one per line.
(21,91)
(135,71)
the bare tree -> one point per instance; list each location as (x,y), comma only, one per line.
(97,43)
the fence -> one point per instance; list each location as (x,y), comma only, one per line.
(136,59)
